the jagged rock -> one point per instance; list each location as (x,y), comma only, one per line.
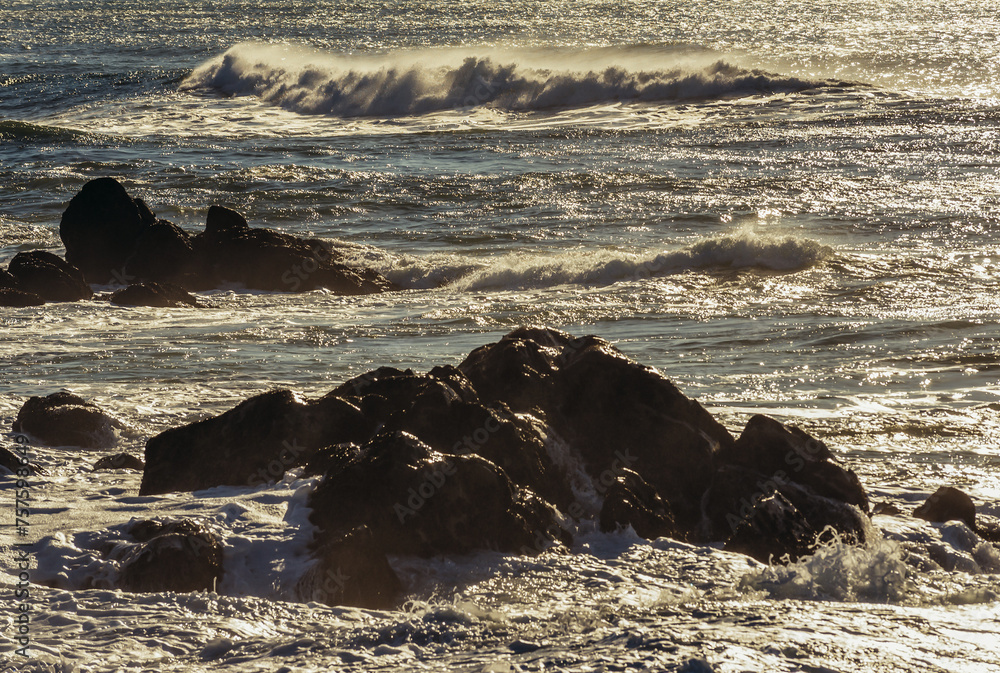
(779,465)
(351,570)
(48,276)
(119,461)
(162,295)
(252,444)
(100,228)
(787,453)
(631,501)
(775,529)
(608,408)
(7,280)
(946,504)
(64,419)
(232,252)
(442,409)
(175,556)
(419,501)
(9,459)
(18,299)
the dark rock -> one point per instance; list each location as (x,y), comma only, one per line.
(176,556)
(48,276)
(611,408)
(886,509)
(630,501)
(252,444)
(162,295)
(351,570)
(64,419)
(419,501)
(119,461)
(947,504)
(442,408)
(229,251)
(7,280)
(100,228)
(776,529)
(787,453)
(163,253)
(9,460)
(18,299)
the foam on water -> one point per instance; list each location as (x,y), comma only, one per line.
(413,83)
(514,271)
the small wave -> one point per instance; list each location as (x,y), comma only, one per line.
(517,271)
(412,84)
(11,130)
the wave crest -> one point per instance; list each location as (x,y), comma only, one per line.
(397,85)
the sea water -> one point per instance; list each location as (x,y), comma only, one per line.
(785,207)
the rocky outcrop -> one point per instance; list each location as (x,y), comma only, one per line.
(18,299)
(172,556)
(497,452)
(351,570)
(114,238)
(162,295)
(64,419)
(48,276)
(946,504)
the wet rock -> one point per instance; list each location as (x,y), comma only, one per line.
(162,295)
(18,299)
(787,453)
(163,253)
(177,556)
(48,276)
(778,529)
(119,461)
(100,228)
(230,251)
(631,501)
(351,570)
(771,460)
(442,409)
(252,444)
(947,504)
(64,419)
(7,280)
(9,460)
(419,501)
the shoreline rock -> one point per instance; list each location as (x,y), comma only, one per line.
(502,451)
(65,419)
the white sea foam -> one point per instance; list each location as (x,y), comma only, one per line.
(410,83)
(514,271)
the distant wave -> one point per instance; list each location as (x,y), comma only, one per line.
(26,131)
(311,82)
(516,271)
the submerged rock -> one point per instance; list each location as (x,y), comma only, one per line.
(119,461)
(64,419)
(155,294)
(947,504)
(49,276)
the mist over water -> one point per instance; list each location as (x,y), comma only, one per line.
(787,208)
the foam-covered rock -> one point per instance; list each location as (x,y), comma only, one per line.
(174,556)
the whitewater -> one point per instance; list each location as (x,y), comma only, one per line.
(786,208)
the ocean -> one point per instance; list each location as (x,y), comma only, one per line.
(787,208)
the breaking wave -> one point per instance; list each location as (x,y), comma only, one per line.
(405,83)
(516,271)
